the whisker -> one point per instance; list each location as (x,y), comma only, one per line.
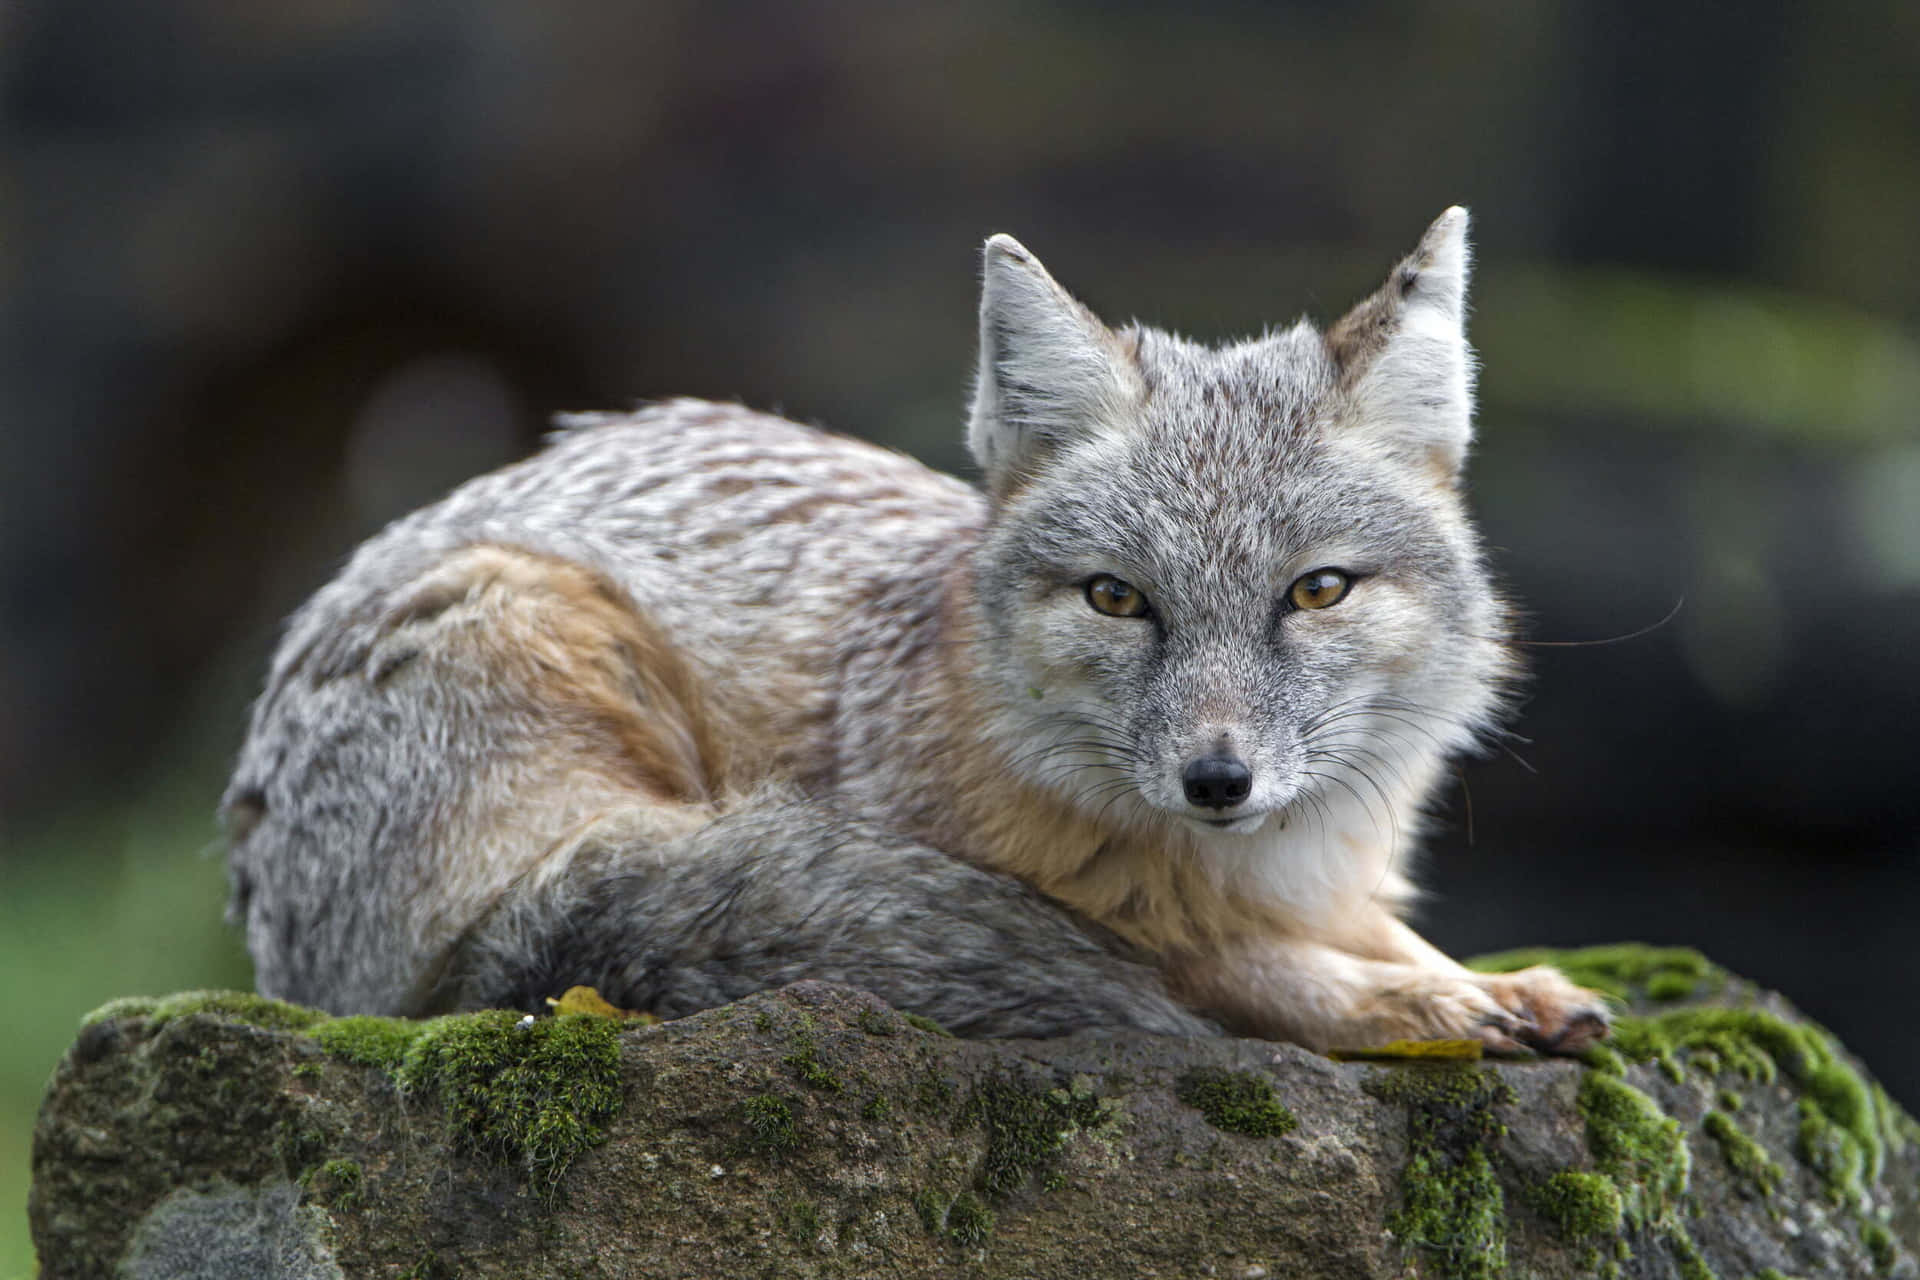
(1647,630)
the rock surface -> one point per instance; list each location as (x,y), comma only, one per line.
(814,1132)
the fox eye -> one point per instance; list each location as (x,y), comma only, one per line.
(1321,589)
(1118,599)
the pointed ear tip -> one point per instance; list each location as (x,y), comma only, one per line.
(1002,245)
(1450,225)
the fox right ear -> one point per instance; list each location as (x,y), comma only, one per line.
(1049,370)
(1403,356)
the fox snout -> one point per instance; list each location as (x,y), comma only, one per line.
(1217,781)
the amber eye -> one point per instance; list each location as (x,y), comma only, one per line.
(1110,595)
(1320,589)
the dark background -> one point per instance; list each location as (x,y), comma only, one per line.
(273,274)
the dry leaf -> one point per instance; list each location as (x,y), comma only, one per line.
(587,1000)
(1431,1050)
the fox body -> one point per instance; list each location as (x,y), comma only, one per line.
(698,701)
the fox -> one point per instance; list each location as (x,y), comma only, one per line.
(1140,733)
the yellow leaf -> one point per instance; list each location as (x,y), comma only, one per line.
(1441,1050)
(587,1000)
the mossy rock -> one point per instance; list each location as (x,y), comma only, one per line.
(813,1132)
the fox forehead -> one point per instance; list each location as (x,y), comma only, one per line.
(1244,405)
(1226,472)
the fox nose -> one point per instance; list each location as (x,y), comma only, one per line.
(1217,782)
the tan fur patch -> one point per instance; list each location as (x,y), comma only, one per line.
(572,644)
(1146,884)
(591,716)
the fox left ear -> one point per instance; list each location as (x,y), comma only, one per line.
(1402,354)
(1050,372)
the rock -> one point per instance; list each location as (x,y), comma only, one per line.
(812,1131)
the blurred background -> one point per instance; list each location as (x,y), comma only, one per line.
(271,275)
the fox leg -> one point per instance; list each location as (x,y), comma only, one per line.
(1554,1015)
(1327,997)
(782,889)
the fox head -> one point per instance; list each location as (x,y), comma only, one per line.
(1234,587)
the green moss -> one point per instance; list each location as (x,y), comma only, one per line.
(1744,1156)
(969,1221)
(1768,1273)
(964,1219)
(933,1092)
(1729,1100)
(770,1126)
(300,1147)
(811,1071)
(876,1023)
(1237,1101)
(240,1006)
(1748,1042)
(1454,1086)
(1834,1155)
(1688,1264)
(1026,1126)
(533,1094)
(1844,1125)
(124,1007)
(426,1267)
(877,1108)
(1452,1204)
(1671,986)
(926,1024)
(1897,1128)
(1580,1205)
(798,1219)
(368,1041)
(1603,1059)
(1878,1242)
(1456,1211)
(1642,1150)
(805,1062)
(1747,1158)
(932,1208)
(338,1183)
(1624,970)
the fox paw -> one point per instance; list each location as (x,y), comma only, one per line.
(1545,1011)
(1439,1007)
(1506,1012)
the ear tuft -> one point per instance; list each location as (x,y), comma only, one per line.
(1049,370)
(1403,356)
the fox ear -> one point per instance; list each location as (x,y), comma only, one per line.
(1049,370)
(1403,356)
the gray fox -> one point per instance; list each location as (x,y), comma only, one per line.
(699,701)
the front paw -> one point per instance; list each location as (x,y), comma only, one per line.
(1441,1007)
(1554,1015)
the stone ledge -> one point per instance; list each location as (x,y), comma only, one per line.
(812,1131)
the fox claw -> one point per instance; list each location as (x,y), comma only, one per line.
(1556,1016)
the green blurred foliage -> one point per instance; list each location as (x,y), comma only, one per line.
(123,899)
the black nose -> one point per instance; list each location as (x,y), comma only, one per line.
(1218,782)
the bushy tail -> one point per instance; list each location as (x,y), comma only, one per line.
(784,889)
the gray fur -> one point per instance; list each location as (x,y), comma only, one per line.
(788,890)
(698,700)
